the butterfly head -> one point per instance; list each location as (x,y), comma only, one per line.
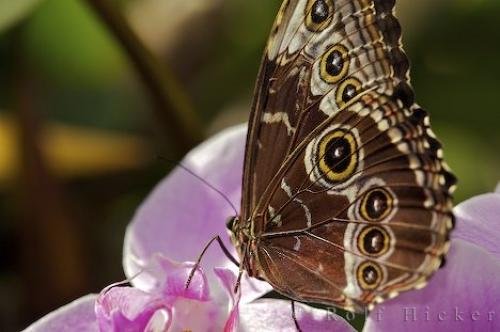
(237,233)
(232,227)
(243,241)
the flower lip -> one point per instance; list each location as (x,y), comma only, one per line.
(166,305)
(120,308)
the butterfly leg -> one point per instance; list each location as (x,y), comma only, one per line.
(238,281)
(294,317)
(198,261)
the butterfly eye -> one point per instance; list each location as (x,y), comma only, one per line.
(338,155)
(376,205)
(347,90)
(319,14)
(369,275)
(334,64)
(373,241)
(231,222)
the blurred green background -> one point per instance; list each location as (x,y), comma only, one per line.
(80,142)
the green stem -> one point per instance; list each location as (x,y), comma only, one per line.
(172,105)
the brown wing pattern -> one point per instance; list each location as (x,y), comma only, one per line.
(384,223)
(290,87)
(345,190)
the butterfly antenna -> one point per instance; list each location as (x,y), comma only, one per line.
(202,180)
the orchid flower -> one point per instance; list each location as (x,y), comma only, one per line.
(182,214)
(173,225)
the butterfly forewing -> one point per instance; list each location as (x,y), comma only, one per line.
(346,199)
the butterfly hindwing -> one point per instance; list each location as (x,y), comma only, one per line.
(380,205)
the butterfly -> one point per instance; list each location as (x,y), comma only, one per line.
(346,198)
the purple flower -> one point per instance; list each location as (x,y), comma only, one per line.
(176,221)
(182,214)
(166,305)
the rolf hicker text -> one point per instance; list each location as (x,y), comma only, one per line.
(423,314)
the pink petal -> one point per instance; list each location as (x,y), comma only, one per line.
(168,304)
(463,296)
(228,280)
(127,309)
(478,222)
(176,276)
(252,289)
(182,214)
(77,316)
(164,276)
(276,315)
(191,315)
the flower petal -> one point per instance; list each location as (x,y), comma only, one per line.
(164,276)
(478,222)
(176,280)
(127,309)
(191,315)
(167,304)
(463,296)
(228,281)
(276,315)
(78,315)
(182,214)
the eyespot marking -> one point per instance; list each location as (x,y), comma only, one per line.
(374,241)
(369,275)
(376,205)
(319,14)
(334,64)
(338,153)
(347,90)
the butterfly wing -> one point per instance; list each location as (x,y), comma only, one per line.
(344,183)
(363,224)
(309,66)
